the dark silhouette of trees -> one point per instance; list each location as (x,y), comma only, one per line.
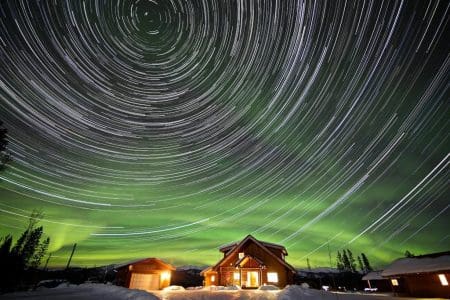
(409,254)
(346,262)
(26,253)
(360,263)
(339,264)
(4,156)
(352,264)
(367,266)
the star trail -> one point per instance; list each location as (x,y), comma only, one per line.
(165,128)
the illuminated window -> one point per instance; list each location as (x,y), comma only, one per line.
(272,276)
(236,276)
(443,279)
(213,278)
(241,254)
(394,282)
(165,276)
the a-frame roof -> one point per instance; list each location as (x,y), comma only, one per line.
(227,247)
(242,261)
(259,244)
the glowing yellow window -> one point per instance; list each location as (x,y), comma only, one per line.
(272,277)
(236,276)
(213,278)
(443,280)
(165,276)
(394,282)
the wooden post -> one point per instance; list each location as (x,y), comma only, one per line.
(240,276)
(70,258)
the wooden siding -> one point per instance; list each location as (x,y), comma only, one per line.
(226,269)
(153,266)
(426,285)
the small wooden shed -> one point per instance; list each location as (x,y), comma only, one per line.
(144,274)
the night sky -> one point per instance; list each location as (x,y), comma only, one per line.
(166,128)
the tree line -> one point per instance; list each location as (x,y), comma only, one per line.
(346,262)
(29,249)
(26,253)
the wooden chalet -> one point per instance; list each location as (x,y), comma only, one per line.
(144,274)
(421,276)
(250,263)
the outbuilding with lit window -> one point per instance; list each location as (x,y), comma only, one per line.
(420,276)
(144,274)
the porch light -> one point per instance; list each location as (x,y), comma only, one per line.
(443,279)
(394,282)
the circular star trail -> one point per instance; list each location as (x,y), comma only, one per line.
(166,128)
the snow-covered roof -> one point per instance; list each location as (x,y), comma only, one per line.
(144,260)
(375,275)
(325,270)
(420,264)
(260,245)
(230,246)
(190,267)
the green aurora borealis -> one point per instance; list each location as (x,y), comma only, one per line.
(168,128)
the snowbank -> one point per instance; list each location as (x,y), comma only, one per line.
(299,293)
(84,292)
(110,292)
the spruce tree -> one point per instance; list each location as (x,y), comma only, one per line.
(408,254)
(27,252)
(360,264)
(367,265)
(351,261)
(346,262)
(39,253)
(339,262)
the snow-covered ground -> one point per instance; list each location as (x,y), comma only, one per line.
(110,292)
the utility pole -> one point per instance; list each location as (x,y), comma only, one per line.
(70,258)
(331,265)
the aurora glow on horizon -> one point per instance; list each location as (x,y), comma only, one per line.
(165,128)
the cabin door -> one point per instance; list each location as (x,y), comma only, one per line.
(252,279)
(144,281)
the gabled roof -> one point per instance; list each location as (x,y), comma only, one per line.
(374,275)
(429,263)
(243,260)
(262,245)
(206,270)
(227,247)
(145,260)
